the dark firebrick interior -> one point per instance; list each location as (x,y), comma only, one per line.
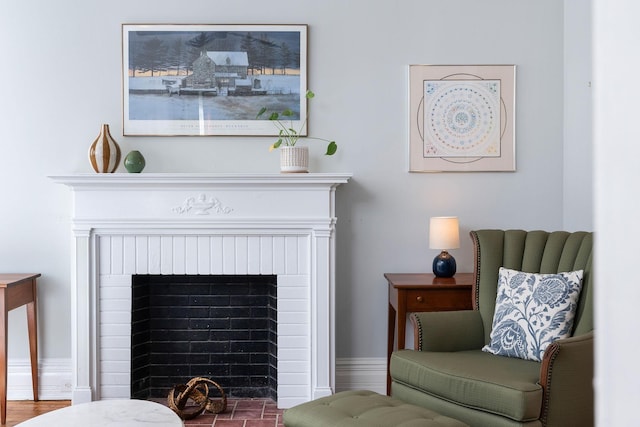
(219,327)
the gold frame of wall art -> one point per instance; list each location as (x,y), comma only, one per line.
(204,80)
(461,118)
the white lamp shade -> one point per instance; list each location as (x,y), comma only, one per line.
(444,232)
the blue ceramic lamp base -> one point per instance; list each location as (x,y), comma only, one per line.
(444,265)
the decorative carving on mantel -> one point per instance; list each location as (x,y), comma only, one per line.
(201,206)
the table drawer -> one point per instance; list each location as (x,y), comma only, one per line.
(438,299)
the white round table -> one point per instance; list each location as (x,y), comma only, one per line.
(108,413)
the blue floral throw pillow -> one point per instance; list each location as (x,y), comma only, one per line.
(532,311)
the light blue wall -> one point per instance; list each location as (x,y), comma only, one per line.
(62,79)
(578,123)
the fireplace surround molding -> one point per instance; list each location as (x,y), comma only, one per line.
(236,224)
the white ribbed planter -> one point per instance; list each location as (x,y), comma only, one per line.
(294,159)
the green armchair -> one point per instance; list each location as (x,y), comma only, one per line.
(450,374)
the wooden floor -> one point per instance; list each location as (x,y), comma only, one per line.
(22,410)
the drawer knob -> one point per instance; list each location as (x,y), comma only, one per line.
(419,298)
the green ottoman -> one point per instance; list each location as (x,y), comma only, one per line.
(363,409)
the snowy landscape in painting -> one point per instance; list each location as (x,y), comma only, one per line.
(281,92)
(212,79)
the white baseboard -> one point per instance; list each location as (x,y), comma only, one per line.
(54,377)
(361,374)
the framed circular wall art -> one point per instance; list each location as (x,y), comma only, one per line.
(461,118)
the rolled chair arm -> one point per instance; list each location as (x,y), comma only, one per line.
(448,330)
(566,377)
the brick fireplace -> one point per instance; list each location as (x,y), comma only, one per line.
(215,326)
(203,224)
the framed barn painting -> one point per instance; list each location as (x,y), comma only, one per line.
(207,80)
(462,118)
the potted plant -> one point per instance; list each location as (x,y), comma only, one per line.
(293,158)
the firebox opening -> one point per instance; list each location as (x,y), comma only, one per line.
(215,326)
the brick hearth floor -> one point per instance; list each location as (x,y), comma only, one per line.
(242,413)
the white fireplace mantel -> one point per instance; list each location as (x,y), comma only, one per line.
(126,224)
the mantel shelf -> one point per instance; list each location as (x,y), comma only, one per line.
(179,179)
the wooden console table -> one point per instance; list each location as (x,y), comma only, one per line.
(17,290)
(419,292)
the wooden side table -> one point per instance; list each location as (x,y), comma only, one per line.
(422,292)
(17,290)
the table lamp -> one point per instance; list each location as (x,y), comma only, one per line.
(444,234)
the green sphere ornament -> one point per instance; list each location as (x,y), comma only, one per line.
(134,162)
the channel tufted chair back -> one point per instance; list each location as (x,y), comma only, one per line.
(532,252)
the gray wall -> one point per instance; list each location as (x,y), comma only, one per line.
(62,79)
(578,145)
